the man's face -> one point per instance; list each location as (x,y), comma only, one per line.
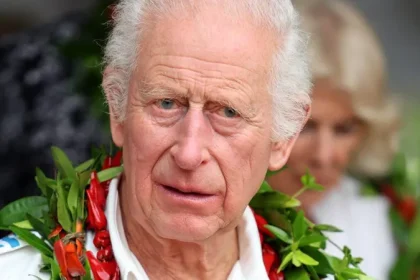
(196,137)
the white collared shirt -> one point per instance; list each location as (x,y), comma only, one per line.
(365,224)
(20,261)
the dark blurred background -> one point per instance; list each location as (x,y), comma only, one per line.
(49,78)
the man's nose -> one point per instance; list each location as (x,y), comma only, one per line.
(323,153)
(195,133)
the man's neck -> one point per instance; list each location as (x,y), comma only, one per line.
(170,259)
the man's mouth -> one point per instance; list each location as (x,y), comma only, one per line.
(186,192)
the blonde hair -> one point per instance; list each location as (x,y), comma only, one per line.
(344,49)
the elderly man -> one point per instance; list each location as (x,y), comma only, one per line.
(204,97)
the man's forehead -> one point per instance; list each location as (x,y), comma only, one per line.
(211,36)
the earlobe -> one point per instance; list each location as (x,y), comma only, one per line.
(117,131)
(280,152)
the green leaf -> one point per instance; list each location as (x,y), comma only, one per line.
(291,203)
(63,163)
(305,259)
(109,173)
(296,274)
(279,233)
(72,199)
(32,240)
(279,220)
(328,228)
(265,187)
(307,179)
(63,214)
(41,181)
(402,267)
(84,179)
(55,269)
(87,165)
(313,273)
(81,209)
(38,226)
(286,260)
(87,276)
(295,260)
(324,267)
(16,211)
(399,227)
(49,222)
(299,225)
(350,273)
(315,187)
(53,203)
(311,239)
(51,183)
(414,234)
(336,264)
(309,182)
(23,224)
(273,200)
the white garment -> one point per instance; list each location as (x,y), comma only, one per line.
(18,262)
(366,226)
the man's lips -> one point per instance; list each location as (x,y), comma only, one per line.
(187,190)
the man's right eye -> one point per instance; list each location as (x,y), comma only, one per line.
(166,104)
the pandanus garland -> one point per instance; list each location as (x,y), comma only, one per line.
(71,203)
(68,250)
(74,201)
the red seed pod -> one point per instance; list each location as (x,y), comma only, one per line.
(273,275)
(102,239)
(105,255)
(269,257)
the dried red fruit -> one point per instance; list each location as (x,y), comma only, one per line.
(105,255)
(269,257)
(407,209)
(102,239)
(96,216)
(102,270)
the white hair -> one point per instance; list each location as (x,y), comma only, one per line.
(290,77)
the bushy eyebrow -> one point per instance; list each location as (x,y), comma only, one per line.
(148,92)
(243,105)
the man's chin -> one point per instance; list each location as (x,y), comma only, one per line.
(186,228)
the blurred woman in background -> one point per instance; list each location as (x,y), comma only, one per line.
(352,130)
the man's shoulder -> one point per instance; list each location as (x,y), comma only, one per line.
(18,260)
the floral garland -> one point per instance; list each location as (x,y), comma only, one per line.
(73,202)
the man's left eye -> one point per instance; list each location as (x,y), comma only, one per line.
(230,112)
(166,104)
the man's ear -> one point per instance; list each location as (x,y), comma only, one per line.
(113,90)
(280,150)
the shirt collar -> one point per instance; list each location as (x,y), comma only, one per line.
(249,266)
